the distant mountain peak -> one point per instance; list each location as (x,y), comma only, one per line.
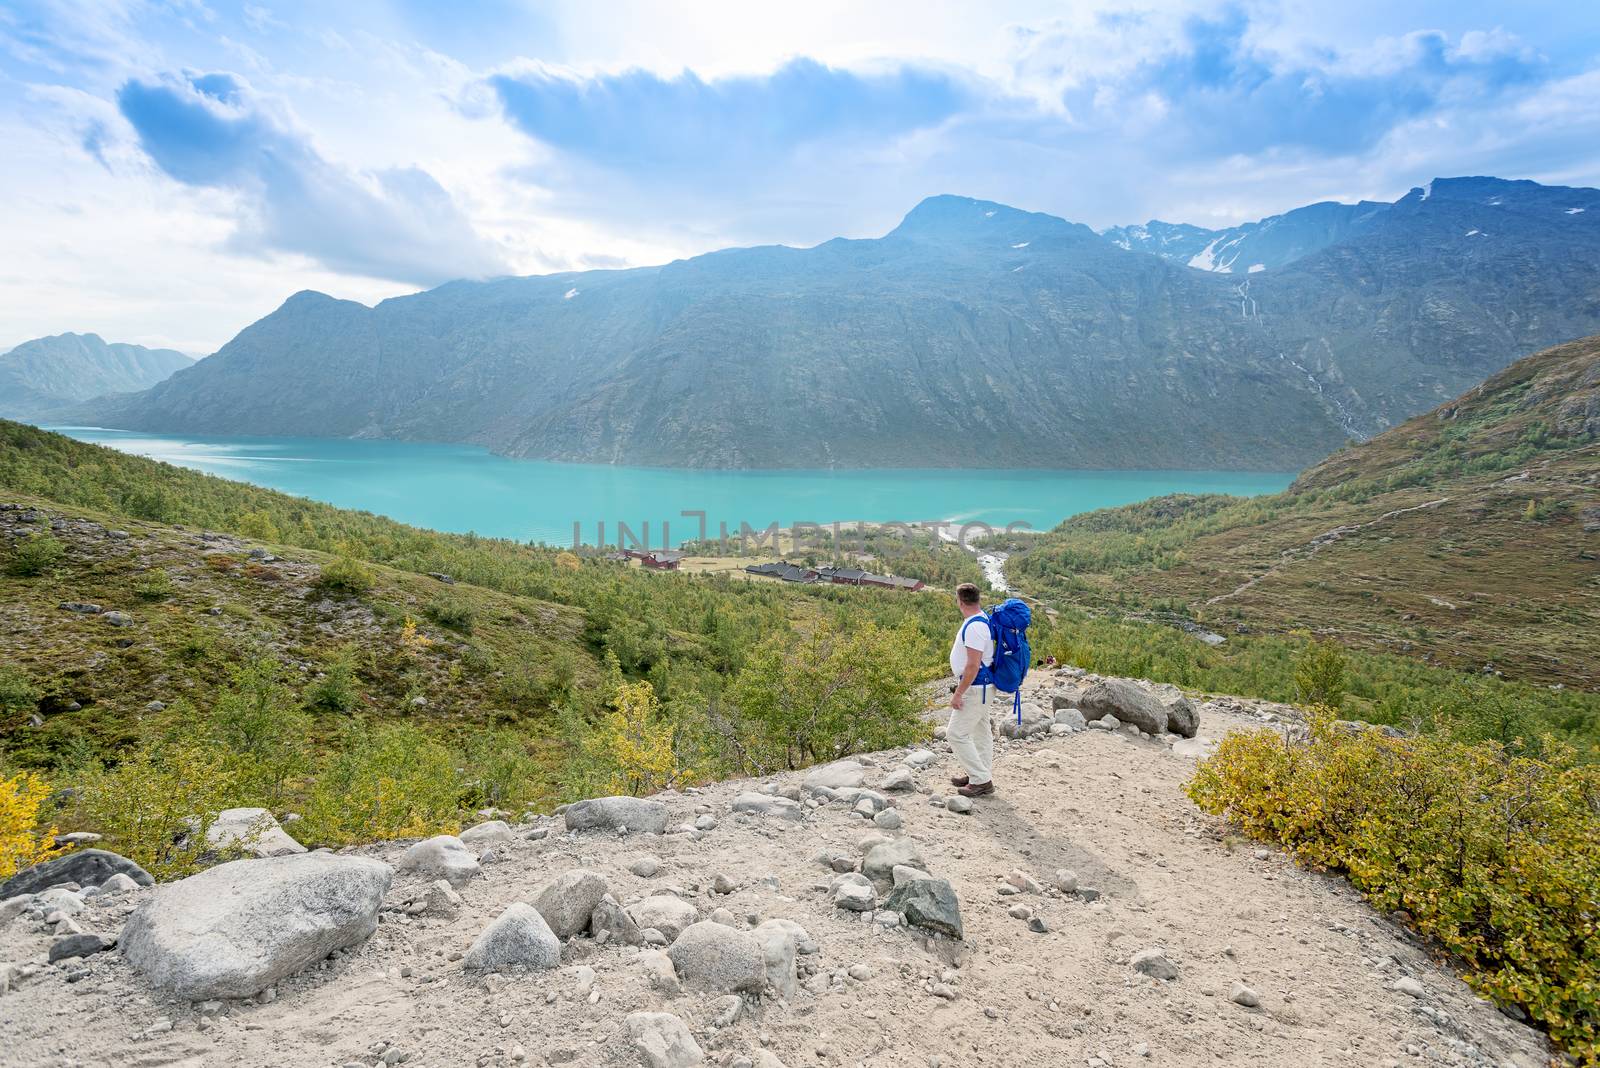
(950,216)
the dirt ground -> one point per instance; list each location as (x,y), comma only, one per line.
(1106,806)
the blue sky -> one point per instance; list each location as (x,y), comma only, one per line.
(176,168)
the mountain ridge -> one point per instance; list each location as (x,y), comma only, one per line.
(883,351)
(47,373)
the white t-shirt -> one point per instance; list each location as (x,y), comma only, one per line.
(976,636)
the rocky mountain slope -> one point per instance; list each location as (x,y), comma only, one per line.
(47,373)
(1469,535)
(1103,921)
(1275,241)
(882,352)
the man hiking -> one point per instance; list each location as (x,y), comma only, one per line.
(970,735)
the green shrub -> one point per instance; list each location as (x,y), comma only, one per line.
(35,555)
(336,691)
(18,694)
(259,719)
(156,805)
(824,695)
(1495,856)
(345,575)
(453,612)
(1319,674)
(503,771)
(381,782)
(154,586)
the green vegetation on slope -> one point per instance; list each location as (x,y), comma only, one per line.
(1463,538)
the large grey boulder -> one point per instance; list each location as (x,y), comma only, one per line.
(634,815)
(1035,721)
(710,956)
(443,856)
(881,859)
(667,914)
(768,805)
(518,937)
(567,901)
(236,929)
(1126,701)
(1183,717)
(839,775)
(253,832)
(663,1041)
(928,903)
(86,867)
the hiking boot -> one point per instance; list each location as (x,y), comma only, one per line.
(959,780)
(980,790)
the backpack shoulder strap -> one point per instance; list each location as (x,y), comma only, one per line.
(971,620)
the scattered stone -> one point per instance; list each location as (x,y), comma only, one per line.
(58,900)
(1034,722)
(568,901)
(663,1041)
(443,855)
(667,914)
(727,1011)
(713,957)
(1408,986)
(74,839)
(768,805)
(439,899)
(1024,882)
(80,607)
(78,945)
(1088,893)
(838,775)
(660,973)
(627,815)
(236,929)
(118,619)
(1019,912)
(611,920)
(723,885)
(905,873)
(12,907)
(1065,881)
(780,941)
(481,836)
(1037,925)
(253,832)
(898,780)
(1154,963)
(705,822)
(879,863)
(930,904)
(1070,718)
(957,803)
(520,936)
(645,867)
(921,758)
(889,819)
(86,867)
(854,893)
(1243,995)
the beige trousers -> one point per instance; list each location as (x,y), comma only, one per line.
(971,732)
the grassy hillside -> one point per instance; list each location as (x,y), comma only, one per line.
(1467,538)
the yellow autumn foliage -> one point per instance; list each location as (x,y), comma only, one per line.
(1494,855)
(631,745)
(23,843)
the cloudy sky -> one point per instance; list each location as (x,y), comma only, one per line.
(174,169)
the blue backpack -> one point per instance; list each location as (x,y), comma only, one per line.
(1008,626)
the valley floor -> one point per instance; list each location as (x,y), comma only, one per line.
(1105,805)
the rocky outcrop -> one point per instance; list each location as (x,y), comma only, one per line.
(236,929)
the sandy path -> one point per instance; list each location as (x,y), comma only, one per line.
(1106,806)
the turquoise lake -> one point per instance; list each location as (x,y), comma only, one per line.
(463,488)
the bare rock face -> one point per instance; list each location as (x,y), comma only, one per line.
(236,929)
(634,815)
(1126,701)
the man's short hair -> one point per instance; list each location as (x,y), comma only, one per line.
(967,593)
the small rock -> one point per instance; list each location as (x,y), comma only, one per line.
(667,914)
(518,937)
(889,819)
(1154,963)
(1066,881)
(78,945)
(645,867)
(567,901)
(1243,995)
(443,855)
(959,804)
(663,1041)
(713,957)
(1408,986)
(482,836)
